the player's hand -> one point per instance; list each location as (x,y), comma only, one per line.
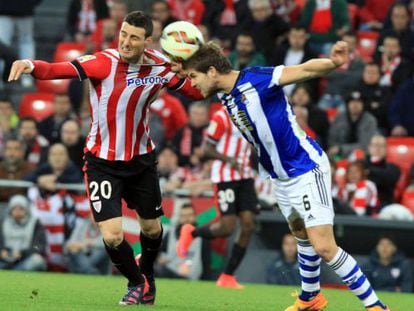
(339,53)
(178,69)
(18,68)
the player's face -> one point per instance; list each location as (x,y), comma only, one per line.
(205,82)
(132,43)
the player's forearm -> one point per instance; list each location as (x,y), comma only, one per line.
(48,71)
(319,67)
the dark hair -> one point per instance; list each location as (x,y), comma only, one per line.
(141,20)
(208,55)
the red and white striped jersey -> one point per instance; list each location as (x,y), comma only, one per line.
(362,196)
(120,95)
(230,143)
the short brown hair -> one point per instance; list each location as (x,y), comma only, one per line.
(208,55)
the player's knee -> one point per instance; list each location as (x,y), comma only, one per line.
(247,228)
(152,230)
(297,227)
(325,251)
(113,240)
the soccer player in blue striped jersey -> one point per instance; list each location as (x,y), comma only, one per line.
(296,164)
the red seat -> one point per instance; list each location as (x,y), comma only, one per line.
(36,105)
(53,86)
(367,43)
(331,113)
(408,199)
(68,51)
(400,151)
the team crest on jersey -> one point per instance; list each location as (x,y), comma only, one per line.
(146,81)
(85,58)
(97,206)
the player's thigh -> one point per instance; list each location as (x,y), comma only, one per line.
(246,197)
(310,196)
(225,196)
(104,193)
(142,192)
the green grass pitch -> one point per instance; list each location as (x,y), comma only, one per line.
(68,292)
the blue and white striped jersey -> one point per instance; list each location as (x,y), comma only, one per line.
(260,109)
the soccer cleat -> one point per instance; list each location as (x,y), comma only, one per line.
(135,294)
(149,297)
(185,240)
(378,308)
(228,281)
(319,302)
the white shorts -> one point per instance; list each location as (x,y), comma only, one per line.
(307,196)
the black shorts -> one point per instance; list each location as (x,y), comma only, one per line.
(135,181)
(234,197)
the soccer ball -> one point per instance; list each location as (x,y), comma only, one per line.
(180,40)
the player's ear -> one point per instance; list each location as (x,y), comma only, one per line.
(212,72)
(148,40)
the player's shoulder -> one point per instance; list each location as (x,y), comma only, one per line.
(155,57)
(109,53)
(99,56)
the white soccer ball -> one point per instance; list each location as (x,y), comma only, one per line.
(180,40)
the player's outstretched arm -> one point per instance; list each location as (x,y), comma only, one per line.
(316,67)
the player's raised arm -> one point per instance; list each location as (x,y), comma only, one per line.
(315,67)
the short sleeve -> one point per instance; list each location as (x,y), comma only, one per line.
(277,73)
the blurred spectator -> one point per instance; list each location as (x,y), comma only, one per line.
(385,175)
(50,127)
(58,169)
(225,19)
(13,167)
(268,28)
(197,179)
(388,269)
(360,193)
(22,238)
(7,111)
(161,11)
(168,169)
(16,21)
(373,13)
(245,54)
(317,118)
(196,264)
(302,116)
(36,145)
(344,79)
(187,10)
(399,28)
(339,204)
(284,269)
(82,17)
(71,137)
(117,11)
(352,128)
(395,68)
(156,36)
(289,10)
(326,22)
(6,131)
(376,96)
(188,139)
(401,112)
(85,250)
(172,113)
(157,129)
(109,38)
(294,51)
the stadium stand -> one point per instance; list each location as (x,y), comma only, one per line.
(37,105)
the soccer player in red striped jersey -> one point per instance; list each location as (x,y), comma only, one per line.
(119,154)
(232,176)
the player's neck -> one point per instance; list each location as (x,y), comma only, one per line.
(228,81)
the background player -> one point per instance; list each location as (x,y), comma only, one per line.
(236,197)
(297,165)
(120,160)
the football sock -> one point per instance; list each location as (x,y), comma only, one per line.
(309,269)
(150,248)
(122,256)
(203,232)
(237,254)
(348,270)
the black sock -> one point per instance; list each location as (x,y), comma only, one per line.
(203,232)
(122,256)
(237,254)
(150,248)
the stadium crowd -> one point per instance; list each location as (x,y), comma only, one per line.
(362,115)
